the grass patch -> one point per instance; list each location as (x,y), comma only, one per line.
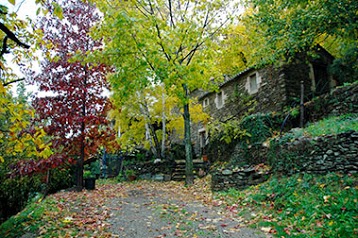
(28,220)
(328,126)
(302,205)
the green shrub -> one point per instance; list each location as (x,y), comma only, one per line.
(60,178)
(16,192)
(258,126)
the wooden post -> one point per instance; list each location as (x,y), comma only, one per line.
(302,106)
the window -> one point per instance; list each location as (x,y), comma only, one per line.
(253,83)
(206,102)
(202,138)
(220,99)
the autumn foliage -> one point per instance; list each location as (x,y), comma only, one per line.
(72,104)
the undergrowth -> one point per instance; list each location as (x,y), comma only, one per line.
(29,220)
(302,205)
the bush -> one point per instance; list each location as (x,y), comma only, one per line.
(16,192)
(60,178)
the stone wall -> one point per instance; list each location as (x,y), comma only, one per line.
(269,97)
(331,153)
(238,178)
(342,100)
(320,155)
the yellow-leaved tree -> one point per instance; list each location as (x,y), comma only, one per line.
(151,119)
(20,139)
(173,43)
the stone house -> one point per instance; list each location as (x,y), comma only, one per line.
(272,88)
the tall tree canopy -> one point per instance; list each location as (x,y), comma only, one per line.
(174,42)
(74,106)
(299,25)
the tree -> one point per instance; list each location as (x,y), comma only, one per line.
(241,47)
(20,139)
(299,25)
(74,106)
(169,42)
(150,118)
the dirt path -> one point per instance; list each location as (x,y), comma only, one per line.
(150,209)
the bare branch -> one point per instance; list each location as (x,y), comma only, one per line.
(191,54)
(144,11)
(13,81)
(20,4)
(171,13)
(185,11)
(159,33)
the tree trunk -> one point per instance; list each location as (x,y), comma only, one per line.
(148,136)
(302,105)
(156,141)
(145,111)
(163,126)
(189,176)
(79,180)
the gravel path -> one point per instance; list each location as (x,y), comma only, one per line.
(162,210)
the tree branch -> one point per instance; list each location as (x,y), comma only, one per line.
(12,36)
(171,13)
(191,54)
(159,33)
(4,47)
(143,54)
(13,81)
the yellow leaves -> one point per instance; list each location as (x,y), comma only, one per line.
(16,138)
(67,220)
(2,89)
(12,2)
(326,198)
(1,159)
(57,10)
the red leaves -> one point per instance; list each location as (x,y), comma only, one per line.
(29,167)
(74,108)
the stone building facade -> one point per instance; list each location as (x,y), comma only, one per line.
(267,89)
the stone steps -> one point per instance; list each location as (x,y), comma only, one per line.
(179,169)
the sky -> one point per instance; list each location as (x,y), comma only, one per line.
(22,7)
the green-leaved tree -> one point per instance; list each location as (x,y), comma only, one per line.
(299,25)
(169,42)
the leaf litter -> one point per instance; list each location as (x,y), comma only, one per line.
(144,209)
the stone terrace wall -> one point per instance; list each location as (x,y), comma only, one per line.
(332,153)
(320,155)
(341,101)
(238,178)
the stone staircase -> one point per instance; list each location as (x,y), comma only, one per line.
(178,173)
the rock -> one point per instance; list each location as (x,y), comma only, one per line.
(226,172)
(158,177)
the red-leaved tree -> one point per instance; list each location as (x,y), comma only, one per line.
(72,103)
